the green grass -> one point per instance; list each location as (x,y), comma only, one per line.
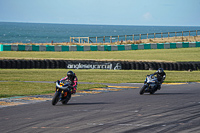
(174,55)
(14,86)
(10,89)
(97,76)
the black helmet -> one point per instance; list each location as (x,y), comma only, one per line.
(160,70)
(70,75)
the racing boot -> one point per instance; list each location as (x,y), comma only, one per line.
(159,86)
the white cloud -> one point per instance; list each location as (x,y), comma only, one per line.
(147,16)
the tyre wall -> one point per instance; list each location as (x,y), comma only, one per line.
(92,64)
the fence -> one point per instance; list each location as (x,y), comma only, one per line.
(134,37)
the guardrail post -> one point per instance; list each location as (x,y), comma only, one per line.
(182,35)
(118,38)
(96,39)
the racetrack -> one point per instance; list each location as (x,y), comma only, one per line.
(174,108)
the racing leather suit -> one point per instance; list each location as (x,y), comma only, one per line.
(160,77)
(73,83)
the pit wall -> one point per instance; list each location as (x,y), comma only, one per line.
(62,48)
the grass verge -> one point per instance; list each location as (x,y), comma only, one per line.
(15,88)
(162,55)
(10,89)
(97,76)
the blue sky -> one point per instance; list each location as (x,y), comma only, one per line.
(103,12)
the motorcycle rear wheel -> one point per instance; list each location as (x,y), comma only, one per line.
(55,98)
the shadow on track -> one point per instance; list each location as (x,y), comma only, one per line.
(169,94)
(68,104)
(87,103)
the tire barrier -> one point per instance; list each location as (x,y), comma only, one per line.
(92,64)
(62,48)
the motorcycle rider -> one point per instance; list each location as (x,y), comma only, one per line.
(161,75)
(72,78)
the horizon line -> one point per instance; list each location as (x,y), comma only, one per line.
(98,24)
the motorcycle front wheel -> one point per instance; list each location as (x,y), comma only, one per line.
(55,98)
(68,97)
(142,90)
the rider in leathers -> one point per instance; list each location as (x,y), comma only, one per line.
(71,77)
(160,76)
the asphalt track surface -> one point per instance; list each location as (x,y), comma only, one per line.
(173,109)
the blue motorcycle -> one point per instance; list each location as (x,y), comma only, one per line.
(150,85)
(62,92)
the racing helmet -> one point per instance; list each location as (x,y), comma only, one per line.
(160,70)
(70,75)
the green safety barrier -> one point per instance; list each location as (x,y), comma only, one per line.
(65,48)
(21,47)
(107,47)
(172,45)
(197,44)
(80,48)
(185,44)
(8,47)
(35,48)
(134,47)
(147,46)
(121,47)
(50,48)
(1,47)
(160,46)
(94,48)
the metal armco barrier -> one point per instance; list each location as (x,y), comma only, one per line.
(92,64)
